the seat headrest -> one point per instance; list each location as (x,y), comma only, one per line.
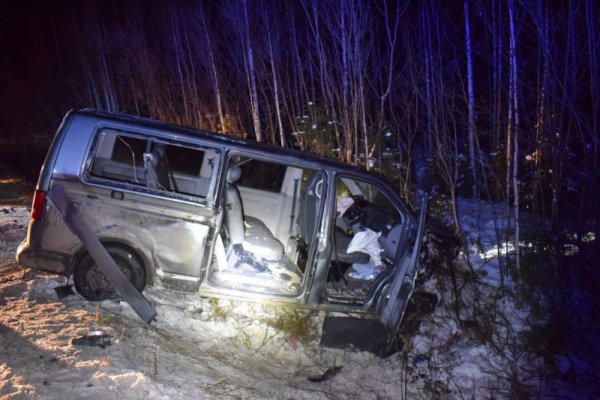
(233,174)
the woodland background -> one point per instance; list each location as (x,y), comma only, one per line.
(495,99)
(492,107)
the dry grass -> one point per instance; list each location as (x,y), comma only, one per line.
(218,312)
(153,369)
(293,321)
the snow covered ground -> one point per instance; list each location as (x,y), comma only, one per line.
(200,348)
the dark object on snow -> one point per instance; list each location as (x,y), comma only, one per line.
(64,291)
(358,334)
(327,375)
(82,230)
(100,339)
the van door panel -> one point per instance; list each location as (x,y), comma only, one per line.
(403,284)
(170,235)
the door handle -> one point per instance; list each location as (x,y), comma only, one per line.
(115,194)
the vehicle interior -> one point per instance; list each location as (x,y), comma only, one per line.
(367,236)
(260,247)
(280,208)
(271,212)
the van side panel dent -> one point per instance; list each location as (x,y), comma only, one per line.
(175,246)
(82,230)
(172,247)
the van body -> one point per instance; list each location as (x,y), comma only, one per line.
(220,216)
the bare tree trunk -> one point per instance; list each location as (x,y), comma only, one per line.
(497,85)
(592,42)
(275,81)
(392,37)
(300,88)
(177,48)
(214,75)
(515,158)
(348,136)
(108,89)
(93,92)
(195,115)
(251,72)
(541,126)
(363,118)
(324,80)
(560,139)
(427,53)
(471,95)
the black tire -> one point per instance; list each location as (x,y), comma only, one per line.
(91,282)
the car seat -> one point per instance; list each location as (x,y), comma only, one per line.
(251,240)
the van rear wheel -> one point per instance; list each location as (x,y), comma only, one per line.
(93,284)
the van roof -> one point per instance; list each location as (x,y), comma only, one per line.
(217,137)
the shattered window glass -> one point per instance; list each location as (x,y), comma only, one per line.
(261,175)
(128,150)
(184,159)
(119,158)
(174,168)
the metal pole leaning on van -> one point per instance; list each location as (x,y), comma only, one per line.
(99,254)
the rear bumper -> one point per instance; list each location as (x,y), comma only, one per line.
(44,260)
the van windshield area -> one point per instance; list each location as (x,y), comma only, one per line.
(148,163)
(264,245)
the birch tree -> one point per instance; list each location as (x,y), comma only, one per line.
(212,68)
(471,101)
(251,73)
(272,43)
(513,131)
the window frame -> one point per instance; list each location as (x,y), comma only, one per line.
(87,177)
(248,159)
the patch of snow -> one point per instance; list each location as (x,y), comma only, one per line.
(201,348)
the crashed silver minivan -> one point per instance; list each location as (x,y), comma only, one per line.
(220,216)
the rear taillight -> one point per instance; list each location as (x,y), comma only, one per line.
(37,208)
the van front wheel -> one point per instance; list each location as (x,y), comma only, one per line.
(92,283)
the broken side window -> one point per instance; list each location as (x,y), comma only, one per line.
(128,150)
(179,159)
(152,164)
(261,175)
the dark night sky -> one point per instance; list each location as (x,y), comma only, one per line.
(53,52)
